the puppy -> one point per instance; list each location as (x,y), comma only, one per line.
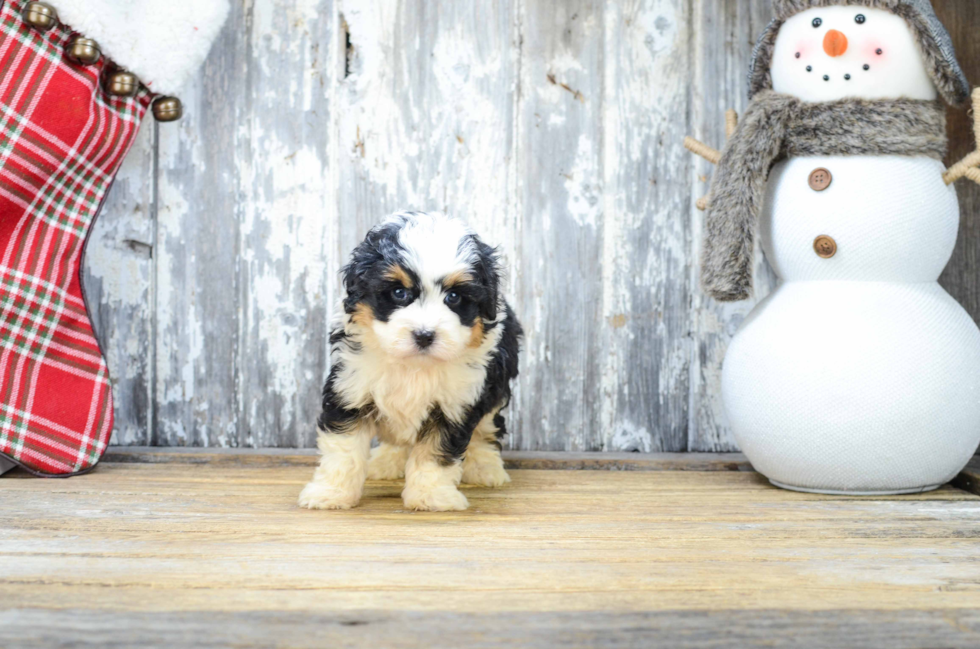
(422,359)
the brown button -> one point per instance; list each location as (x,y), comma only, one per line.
(825,246)
(820,179)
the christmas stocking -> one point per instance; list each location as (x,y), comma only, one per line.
(76,78)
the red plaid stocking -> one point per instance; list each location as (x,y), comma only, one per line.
(62,140)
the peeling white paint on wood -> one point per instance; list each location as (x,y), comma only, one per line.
(646,249)
(118,281)
(554,128)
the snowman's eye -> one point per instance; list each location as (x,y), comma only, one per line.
(859,19)
(817,22)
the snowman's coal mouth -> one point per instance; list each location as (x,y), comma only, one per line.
(847,75)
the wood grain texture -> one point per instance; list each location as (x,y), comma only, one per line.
(645,319)
(770,629)
(287,220)
(534,460)
(118,282)
(244,222)
(210,551)
(197,272)
(555,129)
(560,251)
(962,276)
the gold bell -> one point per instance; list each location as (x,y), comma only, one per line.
(84,51)
(122,84)
(167,109)
(40,15)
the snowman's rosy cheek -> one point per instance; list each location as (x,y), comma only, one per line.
(803,49)
(873,50)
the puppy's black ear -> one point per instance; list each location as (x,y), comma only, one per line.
(487,269)
(356,272)
(353,276)
(368,257)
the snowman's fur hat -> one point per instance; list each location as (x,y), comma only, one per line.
(933,39)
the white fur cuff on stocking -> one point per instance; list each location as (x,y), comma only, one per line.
(161,41)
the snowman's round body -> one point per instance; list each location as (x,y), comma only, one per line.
(859,373)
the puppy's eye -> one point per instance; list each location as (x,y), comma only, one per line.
(817,22)
(453,298)
(401,295)
(859,19)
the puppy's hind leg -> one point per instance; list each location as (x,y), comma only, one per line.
(387,462)
(338,481)
(482,464)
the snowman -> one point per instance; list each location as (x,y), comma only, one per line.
(859,374)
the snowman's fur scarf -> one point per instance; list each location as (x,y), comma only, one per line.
(942,67)
(777,126)
(433,403)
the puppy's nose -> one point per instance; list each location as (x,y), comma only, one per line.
(834,43)
(423,338)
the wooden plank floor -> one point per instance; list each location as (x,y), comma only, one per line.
(215,552)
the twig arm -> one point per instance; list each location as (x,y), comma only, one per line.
(968,166)
(962,168)
(976,115)
(731,122)
(700,148)
(708,153)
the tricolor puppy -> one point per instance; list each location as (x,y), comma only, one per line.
(422,359)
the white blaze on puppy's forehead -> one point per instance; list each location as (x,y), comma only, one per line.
(432,244)
(844,58)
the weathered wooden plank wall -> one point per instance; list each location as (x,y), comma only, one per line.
(962,275)
(555,128)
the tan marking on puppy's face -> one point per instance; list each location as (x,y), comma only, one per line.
(476,334)
(457,278)
(398,274)
(363,316)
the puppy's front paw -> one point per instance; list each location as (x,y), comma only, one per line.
(485,474)
(317,495)
(387,462)
(441,499)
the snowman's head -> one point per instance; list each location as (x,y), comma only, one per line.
(824,50)
(829,53)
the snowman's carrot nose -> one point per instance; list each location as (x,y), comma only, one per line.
(834,43)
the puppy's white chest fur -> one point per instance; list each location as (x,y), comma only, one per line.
(406,391)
